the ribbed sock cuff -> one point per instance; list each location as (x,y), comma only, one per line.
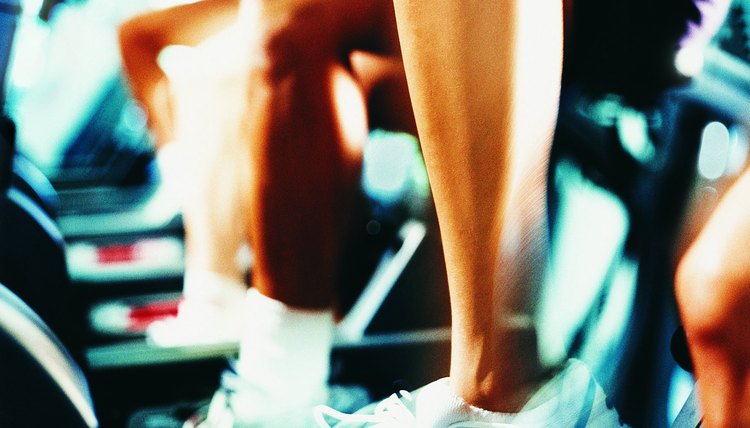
(212,287)
(285,351)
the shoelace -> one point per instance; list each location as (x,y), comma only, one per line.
(229,385)
(391,412)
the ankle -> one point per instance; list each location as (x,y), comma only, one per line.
(498,394)
(505,376)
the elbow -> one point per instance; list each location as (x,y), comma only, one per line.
(287,49)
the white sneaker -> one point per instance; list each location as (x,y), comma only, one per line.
(212,312)
(237,404)
(570,399)
(199,323)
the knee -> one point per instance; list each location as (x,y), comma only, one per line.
(297,42)
(709,295)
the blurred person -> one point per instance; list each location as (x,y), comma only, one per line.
(193,114)
(269,115)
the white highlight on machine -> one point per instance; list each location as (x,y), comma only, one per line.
(49,356)
(723,151)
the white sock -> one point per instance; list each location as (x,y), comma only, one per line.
(570,397)
(437,405)
(213,288)
(212,311)
(285,351)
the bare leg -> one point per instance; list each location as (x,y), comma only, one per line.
(217,166)
(308,123)
(383,82)
(304,127)
(484,78)
(194,106)
(713,291)
(306,162)
(143,37)
(197,111)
